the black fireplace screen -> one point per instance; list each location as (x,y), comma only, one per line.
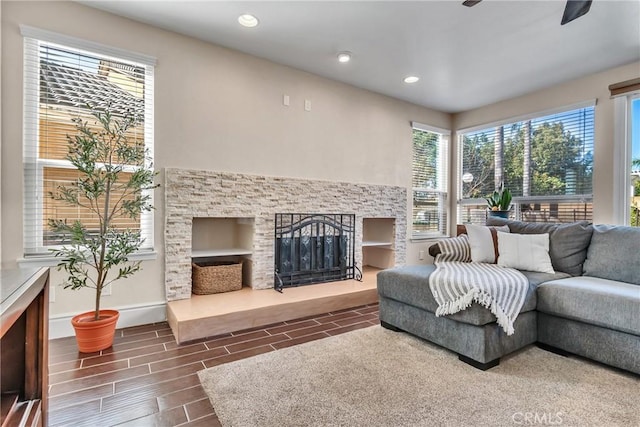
(314,248)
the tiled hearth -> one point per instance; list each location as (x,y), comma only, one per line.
(206,315)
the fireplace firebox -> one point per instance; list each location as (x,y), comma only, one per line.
(314,248)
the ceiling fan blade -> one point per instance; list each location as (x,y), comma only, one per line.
(575,9)
(470,3)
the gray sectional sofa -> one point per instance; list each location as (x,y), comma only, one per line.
(589,307)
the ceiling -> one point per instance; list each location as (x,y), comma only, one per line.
(465,57)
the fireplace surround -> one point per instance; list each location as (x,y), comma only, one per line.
(256,199)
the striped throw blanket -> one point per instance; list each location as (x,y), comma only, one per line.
(456,285)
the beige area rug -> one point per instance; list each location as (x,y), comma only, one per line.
(375,377)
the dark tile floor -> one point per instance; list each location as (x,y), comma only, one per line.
(146,379)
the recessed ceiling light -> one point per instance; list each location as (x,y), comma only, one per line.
(411,79)
(344,57)
(247,20)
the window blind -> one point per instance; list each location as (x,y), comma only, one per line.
(59,83)
(429,181)
(545,160)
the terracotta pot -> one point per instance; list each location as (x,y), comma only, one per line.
(92,335)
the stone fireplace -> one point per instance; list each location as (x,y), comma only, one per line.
(196,197)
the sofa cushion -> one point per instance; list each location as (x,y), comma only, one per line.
(601,302)
(410,285)
(568,243)
(614,254)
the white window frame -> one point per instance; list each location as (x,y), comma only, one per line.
(35,252)
(443,205)
(622,154)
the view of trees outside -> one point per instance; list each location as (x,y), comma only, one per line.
(546,159)
(429,183)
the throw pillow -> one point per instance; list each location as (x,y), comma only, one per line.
(525,252)
(568,243)
(483,241)
(455,249)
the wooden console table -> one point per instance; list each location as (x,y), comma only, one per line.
(24,335)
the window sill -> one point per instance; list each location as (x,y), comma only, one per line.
(34,261)
(426,239)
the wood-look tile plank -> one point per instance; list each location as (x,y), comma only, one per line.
(348,328)
(181,397)
(208,421)
(169,417)
(341,316)
(352,320)
(95,380)
(81,396)
(300,340)
(87,372)
(150,391)
(257,328)
(367,310)
(122,355)
(189,358)
(237,356)
(120,415)
(246,345)
(167,354)
(69,415)
(221,342)
(126,385)
(152,327)
(199,408)
(309,331)
(291,327)
(139,344)
(64,366)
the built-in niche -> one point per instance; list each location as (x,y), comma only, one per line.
(378,242)
(224,239)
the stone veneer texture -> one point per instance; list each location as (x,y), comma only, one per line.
(200,194)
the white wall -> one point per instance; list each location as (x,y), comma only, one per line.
(595,86)
(216,109)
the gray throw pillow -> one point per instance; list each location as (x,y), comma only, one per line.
(614,254)
(568,243)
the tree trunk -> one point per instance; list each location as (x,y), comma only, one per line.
(526,167)
(498,154)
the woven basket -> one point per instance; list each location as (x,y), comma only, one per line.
(215,277)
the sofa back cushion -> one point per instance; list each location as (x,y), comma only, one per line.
(568,243)
(614,254)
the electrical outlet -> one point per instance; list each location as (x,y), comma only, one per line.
(285,100)
(421,254)
(307,105)
(106,291)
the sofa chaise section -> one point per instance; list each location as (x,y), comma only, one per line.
(406,303)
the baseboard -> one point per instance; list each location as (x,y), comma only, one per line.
(60,325)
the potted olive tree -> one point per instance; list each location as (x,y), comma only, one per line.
(114,174)
(500,202)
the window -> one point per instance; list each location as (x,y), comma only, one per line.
(62,75)
(546,161)
(429,183)
(634,214)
